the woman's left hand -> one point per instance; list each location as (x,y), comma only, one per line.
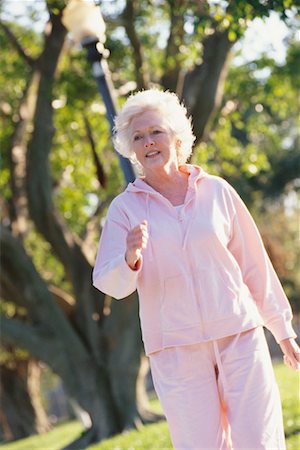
(291,353)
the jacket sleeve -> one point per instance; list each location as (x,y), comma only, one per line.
(247,247)
(111,273)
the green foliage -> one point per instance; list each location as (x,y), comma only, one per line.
(56,6)
(76,188)
(121,58)
(9,356)
(45,262)
(14,76)
(11,309)
(254,142)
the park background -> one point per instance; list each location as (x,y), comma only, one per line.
(67,351)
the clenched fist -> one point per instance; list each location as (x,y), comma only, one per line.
(137,239)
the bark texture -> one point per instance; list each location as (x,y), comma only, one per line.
(170,79)
(141,71)
(203,85)
(21,410)
(17,415)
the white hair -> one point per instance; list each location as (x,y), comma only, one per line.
(174,113)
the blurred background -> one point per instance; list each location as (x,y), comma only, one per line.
(67,351)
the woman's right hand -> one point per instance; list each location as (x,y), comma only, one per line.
(291,352)
(137,239)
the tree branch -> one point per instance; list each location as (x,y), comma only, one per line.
(44,347)
(92,228)
(170,78)
(91,233)
(39,184)
(14,41)
(203,86)
(19,278)
(64,300)
(27,336)
(18,210)
(98,166)
(18,269)
(128,16)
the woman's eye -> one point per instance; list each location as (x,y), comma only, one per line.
(137,137)
(157,131)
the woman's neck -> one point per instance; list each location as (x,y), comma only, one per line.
(172,185)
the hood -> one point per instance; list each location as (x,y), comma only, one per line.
(196,173)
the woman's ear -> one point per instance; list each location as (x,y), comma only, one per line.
(178,147)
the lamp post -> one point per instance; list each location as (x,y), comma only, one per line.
(84,20)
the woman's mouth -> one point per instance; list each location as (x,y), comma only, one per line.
(152,154)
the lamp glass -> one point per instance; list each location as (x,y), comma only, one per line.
(83,19)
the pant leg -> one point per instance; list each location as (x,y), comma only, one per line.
(250,392)
(185,382)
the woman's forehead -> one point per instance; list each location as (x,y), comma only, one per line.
(148,119)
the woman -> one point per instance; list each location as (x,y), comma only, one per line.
(185,240)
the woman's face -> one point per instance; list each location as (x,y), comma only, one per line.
(153,142)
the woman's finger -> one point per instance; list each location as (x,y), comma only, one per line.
(292,363)
(297,354)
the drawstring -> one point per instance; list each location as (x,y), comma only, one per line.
(149,231)
(219,364)
(221,373)
(218,357)
(190,221)
(186,235)
(188,228)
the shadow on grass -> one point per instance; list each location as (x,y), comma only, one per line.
(292,433)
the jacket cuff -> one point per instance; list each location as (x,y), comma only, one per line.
(119,280)
(281,329)
(138,265)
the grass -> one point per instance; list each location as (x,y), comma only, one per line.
(289,386)
(55,439)
(156,436)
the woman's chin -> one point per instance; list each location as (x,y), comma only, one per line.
(154,161)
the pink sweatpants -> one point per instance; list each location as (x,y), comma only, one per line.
(220,394)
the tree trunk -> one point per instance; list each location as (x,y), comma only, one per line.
(203,86)
(92,383)
(17,412)
(126,362)
(171,76)
(34,374)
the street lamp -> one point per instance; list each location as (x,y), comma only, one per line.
(84,20)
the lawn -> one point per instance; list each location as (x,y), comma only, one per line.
(156,436)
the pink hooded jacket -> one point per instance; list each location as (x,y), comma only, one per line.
(205,273)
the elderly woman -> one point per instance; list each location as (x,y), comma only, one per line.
(185,240)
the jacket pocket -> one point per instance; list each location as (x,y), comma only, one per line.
(218,294)
(179,306)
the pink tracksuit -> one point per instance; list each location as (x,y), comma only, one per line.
(205,280)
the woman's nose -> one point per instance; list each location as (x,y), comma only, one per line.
(148,142)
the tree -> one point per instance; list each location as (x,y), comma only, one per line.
(21,412)
(49,223)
